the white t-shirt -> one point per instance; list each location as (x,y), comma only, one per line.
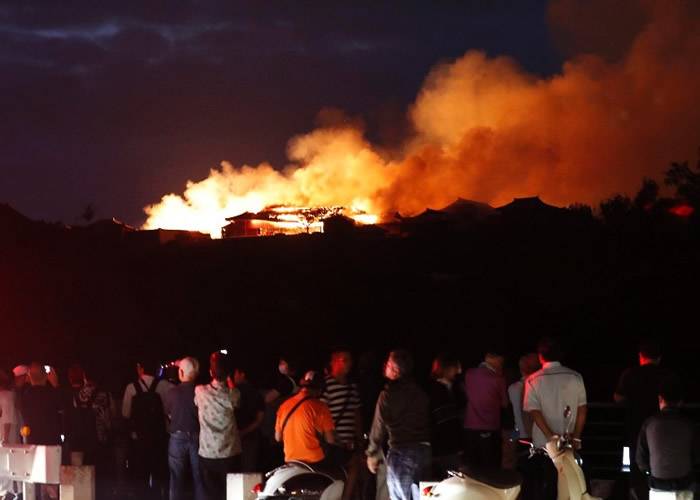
(550,390)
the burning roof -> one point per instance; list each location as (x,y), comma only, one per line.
(289,220)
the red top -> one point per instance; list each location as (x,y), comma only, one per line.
(486,396)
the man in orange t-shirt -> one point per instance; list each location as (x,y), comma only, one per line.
(306,417)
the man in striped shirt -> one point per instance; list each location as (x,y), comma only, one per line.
(343,400)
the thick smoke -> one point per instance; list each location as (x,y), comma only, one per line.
(489,131)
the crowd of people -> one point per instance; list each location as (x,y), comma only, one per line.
(172,437)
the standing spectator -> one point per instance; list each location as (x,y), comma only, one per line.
(8,426)
(343,400)
(183,447)
(142,407)
(445,403)
(279,389)
(485,387)
(403,415)
(249,417)
(638,389)
(8,410)
(301,420)
(21,381)
(669,446)
(548,392)
(41,408)
(21,374)
(88,415)
(528,364)
(219,442)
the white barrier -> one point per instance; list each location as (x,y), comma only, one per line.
(77,482)
(240,486)
(36,464)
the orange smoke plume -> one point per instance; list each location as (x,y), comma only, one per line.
(487,130)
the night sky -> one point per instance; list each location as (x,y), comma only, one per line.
(116,103)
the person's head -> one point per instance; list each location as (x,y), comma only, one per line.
(287,366)
(670,392)
(76,375)
(549,349)
(21,375)
(445,367)
(144,367)
(529,364)
(398,365)
(5,380)
(494,358)
(341,362)
(219,366)
(239,376)
(37,374)
(188,369)
(313,383)
(649,352)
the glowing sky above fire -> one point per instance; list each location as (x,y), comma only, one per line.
(118,105)
(121,101)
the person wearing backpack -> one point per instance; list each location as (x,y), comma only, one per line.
(143,410)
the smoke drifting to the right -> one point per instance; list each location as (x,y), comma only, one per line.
(488,131)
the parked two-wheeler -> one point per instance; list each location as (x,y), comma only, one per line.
(299,480)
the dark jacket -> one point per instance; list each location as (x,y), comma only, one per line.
(668,449)
(402,414)
(445,419)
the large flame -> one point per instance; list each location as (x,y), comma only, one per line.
(487,130)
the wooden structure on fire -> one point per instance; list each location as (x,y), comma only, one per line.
(275,220)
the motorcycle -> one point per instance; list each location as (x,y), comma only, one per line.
(299,480)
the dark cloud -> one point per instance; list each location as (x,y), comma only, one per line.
(117,103)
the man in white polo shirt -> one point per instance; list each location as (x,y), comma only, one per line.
(548,392)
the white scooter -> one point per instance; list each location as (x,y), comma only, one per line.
(571,483)
(298,480)
(494,485)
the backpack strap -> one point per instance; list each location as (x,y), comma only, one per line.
(154,385)
(294,408)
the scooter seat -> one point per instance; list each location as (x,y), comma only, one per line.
(502,479)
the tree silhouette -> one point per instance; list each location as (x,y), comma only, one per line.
(88,213)
(686,182)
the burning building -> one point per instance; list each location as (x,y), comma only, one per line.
(287,220)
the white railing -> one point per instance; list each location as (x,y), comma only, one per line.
(31,465)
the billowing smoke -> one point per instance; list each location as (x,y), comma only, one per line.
(622,108)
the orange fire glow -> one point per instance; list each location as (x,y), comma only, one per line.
(487,130)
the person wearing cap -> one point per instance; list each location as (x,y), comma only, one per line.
(301,419)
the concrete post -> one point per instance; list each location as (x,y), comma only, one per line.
(77,482)
(240,486)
